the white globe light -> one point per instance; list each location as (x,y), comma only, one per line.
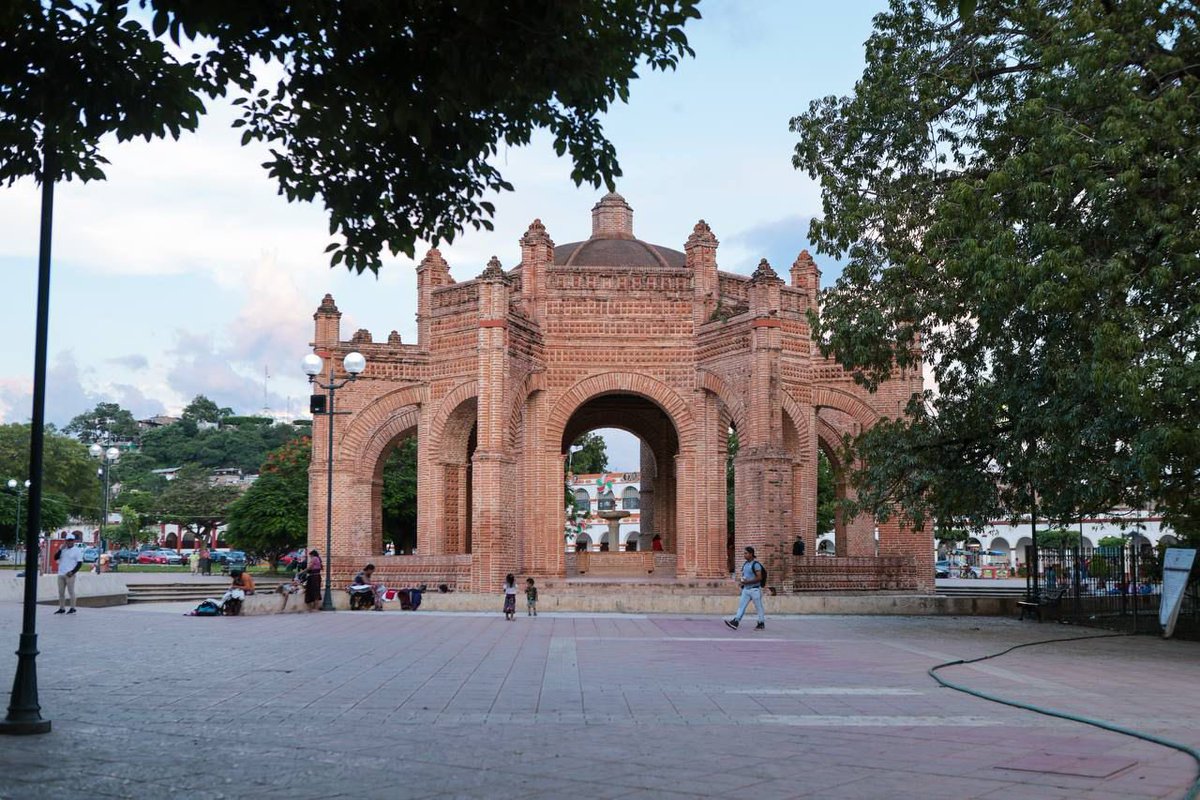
(355,363)
(311,365)
(12,483)
(95,450)
(112,453)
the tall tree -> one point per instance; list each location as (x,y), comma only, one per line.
(106,423)
(192,501)
(201,409)
(271,518)
(1016,193)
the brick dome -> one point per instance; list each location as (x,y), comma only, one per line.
(612,243)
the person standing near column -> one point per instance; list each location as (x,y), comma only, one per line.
(70,559)
(751,582)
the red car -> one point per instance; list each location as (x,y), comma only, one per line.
(150,557)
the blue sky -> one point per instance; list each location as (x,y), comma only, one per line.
(186,273)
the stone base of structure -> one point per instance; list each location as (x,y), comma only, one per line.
(855,573)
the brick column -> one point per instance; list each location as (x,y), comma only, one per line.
(493,550)
(764,485)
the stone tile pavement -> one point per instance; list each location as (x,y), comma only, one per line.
(148,703)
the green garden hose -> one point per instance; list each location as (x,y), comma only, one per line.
(1192,794)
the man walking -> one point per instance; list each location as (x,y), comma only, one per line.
(70,559)
(751,583)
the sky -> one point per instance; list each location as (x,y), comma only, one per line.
(185,272)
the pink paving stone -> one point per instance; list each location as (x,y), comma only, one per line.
(1069,764)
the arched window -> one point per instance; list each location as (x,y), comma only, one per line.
(607,502)
(630,499)
(582,501)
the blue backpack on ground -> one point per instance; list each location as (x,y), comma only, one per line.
(207,608)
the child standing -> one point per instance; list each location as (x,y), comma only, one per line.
(530,598)
(510,597)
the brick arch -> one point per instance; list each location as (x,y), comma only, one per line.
(622,383)
(466,390)
(840,400)
(831,437)
(533,383)
(368,425)
(385,438)
(798,418)
(711,382)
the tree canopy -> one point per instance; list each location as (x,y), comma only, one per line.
(69,480)
(106,423)
(1015,192)
(271,518)
(192,501)
(592,458)
(201,409)
(390,113)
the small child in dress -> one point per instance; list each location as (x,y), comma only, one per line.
(510,597)
(530,598)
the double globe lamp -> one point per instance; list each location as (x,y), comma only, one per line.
(354,364)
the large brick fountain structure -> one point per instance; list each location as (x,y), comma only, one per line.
(511,366)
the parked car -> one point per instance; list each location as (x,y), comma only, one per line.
(295,555)
(90,554)
(3,554)
(124,556)
(151,557)
(148,547)
(235,558)
(170,557)
(941,569)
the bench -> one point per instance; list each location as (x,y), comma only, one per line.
(1042,602)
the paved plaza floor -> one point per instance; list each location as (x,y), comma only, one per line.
(148,703)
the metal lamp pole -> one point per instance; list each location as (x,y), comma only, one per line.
(354,364)
(107,458)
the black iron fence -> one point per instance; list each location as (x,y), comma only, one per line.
(1107,586)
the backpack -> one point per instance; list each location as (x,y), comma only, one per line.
(762,582)
(207,608)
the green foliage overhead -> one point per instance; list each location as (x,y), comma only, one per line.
(952,535)
(271,518)
(75,71)
(1016,194)
(593,458)
(390,113)
(106,423)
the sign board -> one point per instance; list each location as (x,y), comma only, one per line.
(1177,566)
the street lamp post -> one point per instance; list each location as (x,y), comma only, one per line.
(354,364)
(16,488)
(107,459)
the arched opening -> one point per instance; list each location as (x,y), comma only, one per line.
(634,493)
(398,496)
(455,460)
